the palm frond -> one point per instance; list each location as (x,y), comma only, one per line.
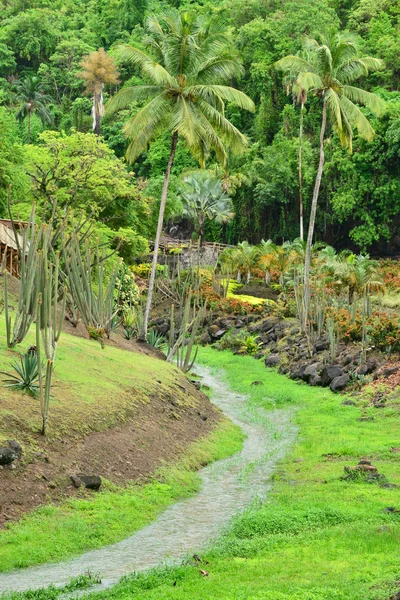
(218,69)
(155,71)
(309,81)
(130,94)
(357,119)
(371,101)
(294,63)
(144,126)
(224,92)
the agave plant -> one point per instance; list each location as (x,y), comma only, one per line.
(157,340)
(250,345)
(26,374)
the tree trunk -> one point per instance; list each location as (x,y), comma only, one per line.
(29,126)
(311,226)
(143,334)
(301,172)
(97,110)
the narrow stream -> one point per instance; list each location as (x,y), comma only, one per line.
(228,486)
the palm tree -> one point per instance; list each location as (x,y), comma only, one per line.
(99,69)
(205,200)
(31,99)
(187,63)
(267,253)
(329,69)
(248,257)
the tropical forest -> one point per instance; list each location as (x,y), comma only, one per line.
(199,300)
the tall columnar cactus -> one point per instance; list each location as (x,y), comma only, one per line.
(49,320)
(33,237)
(84,268)
(183,350)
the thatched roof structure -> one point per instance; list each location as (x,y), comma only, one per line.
(9,241)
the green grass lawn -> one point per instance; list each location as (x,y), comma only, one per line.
(54,533)
(317,537)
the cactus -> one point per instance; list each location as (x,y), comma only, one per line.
(33,238)
(49,322)
(82,268)
(182,348)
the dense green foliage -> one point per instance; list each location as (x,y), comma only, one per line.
(360,192)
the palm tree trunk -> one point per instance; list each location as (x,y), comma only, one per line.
(301,172)
(97,100)
(313,213)
(29,126)
(143,334)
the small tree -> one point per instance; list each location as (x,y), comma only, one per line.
(31,99)
(99,70)
(205,200)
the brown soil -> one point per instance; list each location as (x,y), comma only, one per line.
(160,432)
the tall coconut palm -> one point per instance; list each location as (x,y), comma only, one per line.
(31,99)
(205,200)
(99,70)
(329,69)
(187,63)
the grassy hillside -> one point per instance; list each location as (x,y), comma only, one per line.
(133,419)
(317,537)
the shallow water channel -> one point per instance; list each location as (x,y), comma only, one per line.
(228,487)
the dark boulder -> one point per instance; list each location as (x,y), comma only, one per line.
(11,453)
(311,371)
(362,369)
(339,383)
(91,482)
(321,345)
(329,373)
(163,328)
(272,360)
(13,445)
(315,380)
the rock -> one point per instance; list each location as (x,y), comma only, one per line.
(239,323)
(197,384)
(13,445)
(272,360)
(372,364)
(315,380)
(321,345)
(329,373)
(7,456)
(388,485)
(76,481)
(390,371)
(163,328)
(339,383)
(257,383)
(395,596)
(205,338)
(348,403)
(91,482)
(311,371)
(219,334)
(362,369)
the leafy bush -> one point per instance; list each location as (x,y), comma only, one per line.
(26,376)
(384,331)
(250,345)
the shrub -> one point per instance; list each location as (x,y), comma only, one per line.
(250,345)
(384,331)
(26,376)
